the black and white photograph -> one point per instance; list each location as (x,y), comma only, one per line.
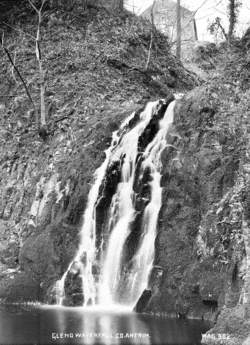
(124,172)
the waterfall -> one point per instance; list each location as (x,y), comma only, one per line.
(116,252)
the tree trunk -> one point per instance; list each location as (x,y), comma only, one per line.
(232,19)
(118,5)
(151,34)
(42,127)
(178,29)
(41,71)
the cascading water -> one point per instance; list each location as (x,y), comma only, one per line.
(116,252)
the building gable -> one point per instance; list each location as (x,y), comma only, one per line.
(164,12)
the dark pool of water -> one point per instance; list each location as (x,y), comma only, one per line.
(44,326)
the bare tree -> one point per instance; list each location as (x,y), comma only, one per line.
(233,12)
(14,68)
(118,5)
(85,4)
(178,29)
(151,34)
(216,27)
(42,130)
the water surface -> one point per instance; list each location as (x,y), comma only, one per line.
(58,325)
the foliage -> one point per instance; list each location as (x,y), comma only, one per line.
(233,13)
(91,58)
(216,27)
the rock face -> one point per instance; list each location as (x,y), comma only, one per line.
(92,85)
(143,301)
(203,247)
(42,203)
(203,237)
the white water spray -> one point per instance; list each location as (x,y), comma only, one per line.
(106,290)
(137,278)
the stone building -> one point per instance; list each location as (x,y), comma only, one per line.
(164,16)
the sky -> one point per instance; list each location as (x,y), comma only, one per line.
(208,10)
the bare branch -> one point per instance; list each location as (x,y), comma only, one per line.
(202,4)
(151,35)
(192,17)
(40,64)
(19,74)
(13,69)
(178,29)
(149,51)
(19,30)
(38,11)
(7,96)
(33,6)
(43,3)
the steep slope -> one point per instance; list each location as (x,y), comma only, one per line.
(95,77)
(203,241)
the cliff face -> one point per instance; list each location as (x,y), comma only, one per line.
(200,228)
(95,77)
(202,247)
(203,240)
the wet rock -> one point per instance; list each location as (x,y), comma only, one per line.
(143,301)
(73,290)
(156,279)
(73,300)
(75,268)
(143,195)
(106,192)
(52,295)
(153,126)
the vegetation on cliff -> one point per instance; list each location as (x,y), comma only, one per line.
(228,85)
(96,75)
